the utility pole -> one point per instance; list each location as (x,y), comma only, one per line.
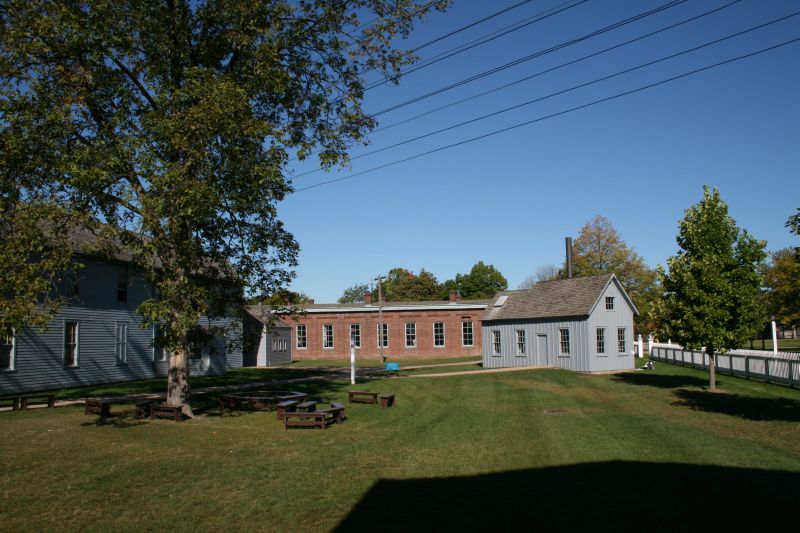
(380,319)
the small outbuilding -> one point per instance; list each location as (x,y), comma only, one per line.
(266,344)
(581,324)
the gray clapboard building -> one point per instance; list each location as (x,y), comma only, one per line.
(267,344)
(97,338)
(581,324)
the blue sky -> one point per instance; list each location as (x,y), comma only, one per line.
(510,199)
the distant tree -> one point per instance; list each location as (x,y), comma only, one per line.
(354,294)
(527,283)
(402,285)
(483,281)
(599,249)
(543,273)
(711,291)
(794,223)
(782,280)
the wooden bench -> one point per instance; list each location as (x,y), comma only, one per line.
(356,396)
(22,401)
(307,406)
(97,406)
(159,410)
(258,403)
(321,419)
(289,406)
(229,401)
(143,407)
(387,400)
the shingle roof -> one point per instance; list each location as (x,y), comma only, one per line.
(260,314)
(550,299)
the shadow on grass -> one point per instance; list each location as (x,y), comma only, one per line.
(123,420)
(748,407)
(662,381)
(583,497)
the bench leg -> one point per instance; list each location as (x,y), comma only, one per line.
(23,403)
(51,401)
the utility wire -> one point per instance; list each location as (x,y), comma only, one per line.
(532,56)
(562,65)
(470,47)
(563,112)
(564,91)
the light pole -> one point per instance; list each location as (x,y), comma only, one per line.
(380,320)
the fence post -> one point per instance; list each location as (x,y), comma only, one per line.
(747,366)
(641,347)
(650,343)
(766,369)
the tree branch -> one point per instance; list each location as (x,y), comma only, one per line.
(131,76)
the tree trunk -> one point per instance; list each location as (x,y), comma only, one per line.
(178,381)
(712,371)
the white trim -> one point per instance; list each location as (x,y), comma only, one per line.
(120,356)
(444,335)
(12,356)
(297,337)
(77,343)
(471,333)
(405,331)
(517,351)
(324,338)
(380,336)
(357,324)
(497,344)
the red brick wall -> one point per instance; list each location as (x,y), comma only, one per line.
(397,339)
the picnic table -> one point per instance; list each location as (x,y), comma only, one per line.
(259,400)
(22,401)
(361,396)
(321,419)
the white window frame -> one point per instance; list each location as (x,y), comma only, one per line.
(563,333)
(444,337)
(411,335)
(609,303)
(357,329)
(600,340)
(121,343)
(464,333)
(325,329)
(621,341)
(520,344)
(12,354)
(76,361)
(385,334)
(297,336)
(497,344)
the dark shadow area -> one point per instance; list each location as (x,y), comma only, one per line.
(122,420)
(618,496)
(649,379)
(748,407)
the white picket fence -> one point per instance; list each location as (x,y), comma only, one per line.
(780,367)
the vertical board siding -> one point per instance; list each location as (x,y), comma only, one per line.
(620,317)
(39,351)
(577,360)
(269,357)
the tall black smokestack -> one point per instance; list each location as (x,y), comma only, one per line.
(569,257)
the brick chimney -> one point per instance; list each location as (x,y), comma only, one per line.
(454,296)
(368,298)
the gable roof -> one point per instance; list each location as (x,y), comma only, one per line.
(552,299)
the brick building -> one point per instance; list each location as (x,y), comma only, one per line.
(411,329)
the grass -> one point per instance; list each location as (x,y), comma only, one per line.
(544,449)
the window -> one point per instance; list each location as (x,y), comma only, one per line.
(71,337)
(563,335)
(610,303)
(302,339)
(411,335)
(520,342)
(495,342)
(122,283)
(383,338)
(8,345)
(621,340)
(121,343)
(601,340)
(327,336)
(438,334)
(466,333)
(355,335)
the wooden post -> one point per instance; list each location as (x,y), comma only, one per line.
(747,367)
(766,369)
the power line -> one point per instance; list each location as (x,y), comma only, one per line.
(563,112)
(564,91)
(546,71)
(460,49)
(529,57)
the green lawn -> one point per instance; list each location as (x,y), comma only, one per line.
(373,362)
(543,450)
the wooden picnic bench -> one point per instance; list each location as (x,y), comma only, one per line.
(159,410)
(321,419)
(358,396)
(288,406)
(258,400)
(143,407)
(307,406)
(97,406)
(22,401)
(387,400)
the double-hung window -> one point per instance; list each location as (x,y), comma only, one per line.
(121,343)
(383,335)
(601,340)
(520,342)
(411,335)
(8,348)
(496,346)
(563,337)
(71,338)
(327,336)
(355,335)
(609,303)
(621,340)
(467,338)
(302,336)
(438,334)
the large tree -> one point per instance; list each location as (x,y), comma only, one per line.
(402,285)
(599,249)
(711,289)
(354,294)
(165,128)
(782,280)
(482,281)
